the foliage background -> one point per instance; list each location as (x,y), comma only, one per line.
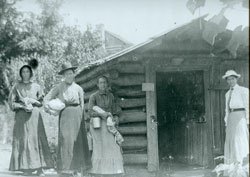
(26,36)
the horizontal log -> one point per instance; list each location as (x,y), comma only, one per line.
(105,66)
(129,68)
(125,80)
(129,80)
(89,93)
(93,74)
(135,158)
(89,73)
(129,92)
(132,116)
(133,130)
(90,85)
(130,103)
(112,74)
(134,142)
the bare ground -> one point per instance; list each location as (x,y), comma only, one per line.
(175,170)
(51,122)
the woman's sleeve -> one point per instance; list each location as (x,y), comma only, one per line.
(13,99)
(92,103)
(81,96)
(116,110)
(245,98)
(40,94)
(52,94)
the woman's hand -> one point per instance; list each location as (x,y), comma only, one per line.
(105,115)
(38,104)
(46,108)
(28,108)
(35,102)
(109,114)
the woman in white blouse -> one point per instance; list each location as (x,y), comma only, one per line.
(236,120)
(73,153)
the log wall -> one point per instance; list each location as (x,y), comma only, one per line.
(126,80)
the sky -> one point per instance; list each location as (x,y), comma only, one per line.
(137,20)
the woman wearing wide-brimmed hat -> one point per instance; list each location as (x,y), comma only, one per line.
(236,120)
(30,150)
(73,152)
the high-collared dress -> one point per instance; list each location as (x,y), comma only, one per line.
(236,119)
(73,152)
(107,156)
(30,149)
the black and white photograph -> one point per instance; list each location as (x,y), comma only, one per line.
(124,88)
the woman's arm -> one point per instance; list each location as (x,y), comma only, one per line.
(92,113)
(81,96)
(12,100)
(226,109)
(40,94)
(115,110)
(245,98)
(52,94)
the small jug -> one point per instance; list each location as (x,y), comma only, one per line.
(96,122)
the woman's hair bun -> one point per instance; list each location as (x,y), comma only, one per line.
(33,63)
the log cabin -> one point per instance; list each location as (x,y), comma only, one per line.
(171,93)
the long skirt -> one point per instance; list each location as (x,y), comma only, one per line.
(73,151)
(237,134)
(107,156)
(30,149)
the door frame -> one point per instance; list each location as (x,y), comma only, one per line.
(151,106)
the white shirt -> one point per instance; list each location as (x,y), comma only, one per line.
(239,99)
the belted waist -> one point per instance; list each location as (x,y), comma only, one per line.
(71,104)
(236,109)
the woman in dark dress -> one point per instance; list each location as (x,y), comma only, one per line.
(107,157)
(73,152)
(30,150)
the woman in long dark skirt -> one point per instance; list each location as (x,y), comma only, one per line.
(30,150)
(73,152)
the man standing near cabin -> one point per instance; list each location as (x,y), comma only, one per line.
(107,157)
(236,120)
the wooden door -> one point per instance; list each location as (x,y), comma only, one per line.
(206,150)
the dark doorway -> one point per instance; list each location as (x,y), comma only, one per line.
(180,112)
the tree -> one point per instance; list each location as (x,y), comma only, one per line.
(45,38)
(10,24)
